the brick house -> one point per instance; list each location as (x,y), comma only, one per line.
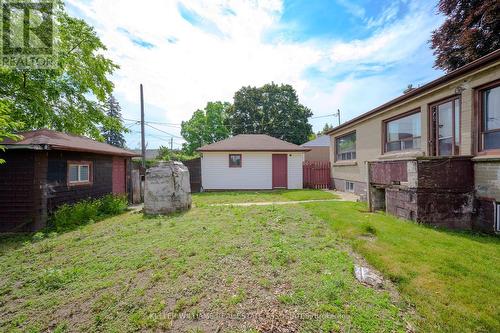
(431,155)
(47,169)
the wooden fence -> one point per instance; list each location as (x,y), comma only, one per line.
(194,167)
(316,174)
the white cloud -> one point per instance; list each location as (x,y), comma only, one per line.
(199,64)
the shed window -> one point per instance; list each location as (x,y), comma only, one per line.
(490,114)
(79,173)
(403,133)
(345,147)
(235,160)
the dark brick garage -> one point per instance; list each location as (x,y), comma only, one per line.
(36,178)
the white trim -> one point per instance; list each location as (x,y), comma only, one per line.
(79,173)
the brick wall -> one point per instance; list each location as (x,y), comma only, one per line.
(401,202)
(438,191)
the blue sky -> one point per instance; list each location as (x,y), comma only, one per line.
(338,54)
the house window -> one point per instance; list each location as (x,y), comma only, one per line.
(445,125)
(79,173)
(490,118)
(235,160)
(345,147)
(349,186)
(403,133)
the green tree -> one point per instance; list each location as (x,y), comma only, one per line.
(470,31)
(326,128)
(70,97)
(166,154)
(272,109)
(7,126)
(206,126)
(113,135)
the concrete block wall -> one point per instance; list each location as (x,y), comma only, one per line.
(487,179)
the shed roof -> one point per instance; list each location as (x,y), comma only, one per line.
(49,139)
(252,142)
(320,141)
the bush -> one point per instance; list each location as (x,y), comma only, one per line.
(87,211)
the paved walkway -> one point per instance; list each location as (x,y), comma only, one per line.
(266,203)
(342,196)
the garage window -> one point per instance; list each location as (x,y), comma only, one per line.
(79,173)
(235,160)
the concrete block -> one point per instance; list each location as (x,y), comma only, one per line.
(167,189)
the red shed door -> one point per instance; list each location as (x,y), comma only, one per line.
(280,173)
(119,172)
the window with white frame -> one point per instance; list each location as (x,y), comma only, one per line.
(345,147)
(349,186)
(79,173)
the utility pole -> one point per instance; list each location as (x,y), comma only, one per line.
(172,143)
(338,115)
(143,141)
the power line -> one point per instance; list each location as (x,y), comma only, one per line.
(328,115)
(172,135)
(155,122)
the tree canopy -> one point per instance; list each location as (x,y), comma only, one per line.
(271,109)
(206,126)
(72,96)
(7,126)
(111,135)
(470,31)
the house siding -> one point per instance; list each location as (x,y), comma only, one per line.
(317,154)
(17,212)
(255,171)
(58,191)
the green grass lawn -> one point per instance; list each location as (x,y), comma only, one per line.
(244,269)
(452,278)
(237,269)
(207,198)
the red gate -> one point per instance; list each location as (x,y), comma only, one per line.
(316,175)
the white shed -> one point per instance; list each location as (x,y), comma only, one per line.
(251,162)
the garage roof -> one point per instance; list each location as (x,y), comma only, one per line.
(252,142)
(45,139)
